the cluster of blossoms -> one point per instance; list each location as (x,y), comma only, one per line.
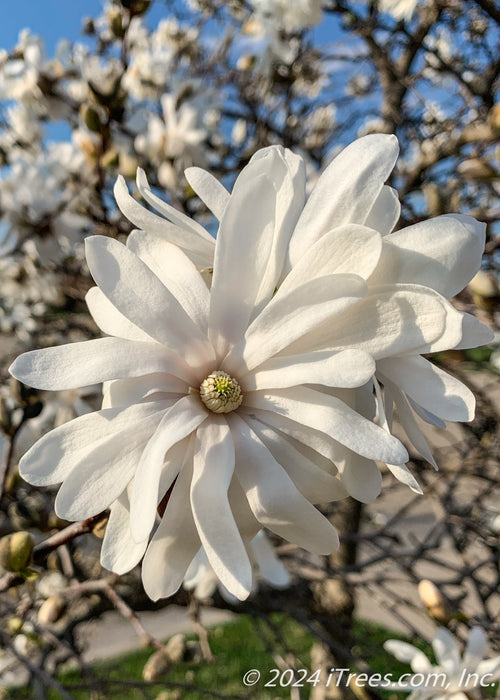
(239,400)
(455,677)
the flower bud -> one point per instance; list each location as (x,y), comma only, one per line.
(136,7)
(110,159)
(51,609)
(156,666)
(90,117)
(432,598)
(14,625)
(16,551)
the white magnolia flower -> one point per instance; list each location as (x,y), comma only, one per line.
(289,16)
(203,581)
(409,274)
(207,409)
(399,9)
(176,138)
(462,677)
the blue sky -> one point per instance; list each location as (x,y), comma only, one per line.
(52,19)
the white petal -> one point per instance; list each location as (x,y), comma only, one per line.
(390,320)
(94,361)
(174,543)
(102,473)
(360,476)
(404,475)
(320,443)
(110,320)
(194,244)
(446,651)
(490,666)
(119,552)
(273,498)
(241,255)
(346,191)
(171,213)
(474,333)
(124,392)
(212,473)
(443,253)
(209,190)
(52,458)
(430,387)
(408,654)
(408,422)
(334,418)
(178,422)
(477,647)
(349,249)
(270,567)
(177,273)
(288,317)
(346,368)
(386,210)
(288,174)
(317,485)
(140,296)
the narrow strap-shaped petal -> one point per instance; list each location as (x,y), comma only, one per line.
(385,212)
(142,298)
(343,368)
(93,361)
(348,249)
(125,392)
(409,423)
(102,473)
(213,468)
(119,552)
(51,459)
(408,654)
(288,317)
(360,476)
(110,320)
(271,568)
(273,498)
(430,387)
(476,649)
(195,244)
(446,650)
(171,213)
(346,191)
(209,190)
(333,417)
(242,252)
(389,320)
(443,253)
(178,422)
(174,543)
(177,273)
(316,484)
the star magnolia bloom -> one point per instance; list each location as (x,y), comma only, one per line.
(410,275)
(202,580)
(462,677)
(205,410)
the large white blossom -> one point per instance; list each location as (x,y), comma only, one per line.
(215,400)
(463,677)
(350,209)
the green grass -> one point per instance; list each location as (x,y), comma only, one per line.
(237,647)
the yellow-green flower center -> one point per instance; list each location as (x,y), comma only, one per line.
(220,392)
